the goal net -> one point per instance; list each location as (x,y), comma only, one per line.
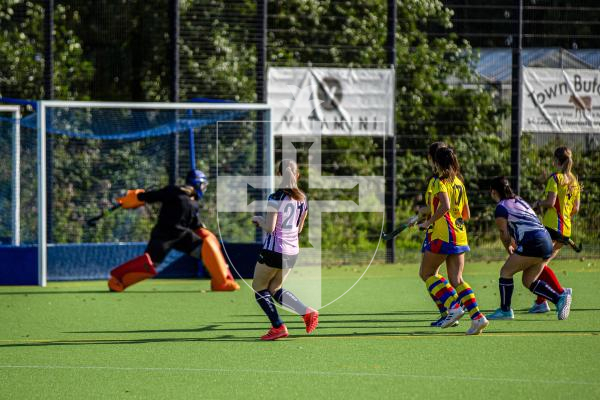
(92,152)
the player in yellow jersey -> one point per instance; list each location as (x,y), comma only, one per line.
(447,241)
(426,212)
(561,203)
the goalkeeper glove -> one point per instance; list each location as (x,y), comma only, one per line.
(130,200)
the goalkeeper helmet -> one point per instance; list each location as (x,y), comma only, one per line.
(198,180)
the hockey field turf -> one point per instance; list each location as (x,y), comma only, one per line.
(176,339)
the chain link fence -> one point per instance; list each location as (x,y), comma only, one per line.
(453,66)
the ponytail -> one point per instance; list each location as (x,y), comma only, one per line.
(501,185)
(446,163)
(288,170)
(433,147)
(564,156)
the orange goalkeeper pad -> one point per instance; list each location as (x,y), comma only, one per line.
(131,272)
(130,200)
(212,257)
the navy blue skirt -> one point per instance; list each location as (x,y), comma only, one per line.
(538,244)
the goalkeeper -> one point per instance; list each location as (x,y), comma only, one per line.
(178,227)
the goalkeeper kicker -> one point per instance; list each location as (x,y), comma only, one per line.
(178,227)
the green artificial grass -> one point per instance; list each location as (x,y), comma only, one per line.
(176,339)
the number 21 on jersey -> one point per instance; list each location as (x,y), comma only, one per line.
(290,216)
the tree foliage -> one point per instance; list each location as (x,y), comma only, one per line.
(438,94)
(22,52)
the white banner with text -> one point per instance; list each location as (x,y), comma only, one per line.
(331,101)
(561,100)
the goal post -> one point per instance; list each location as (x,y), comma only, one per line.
(79,138)
(14,126)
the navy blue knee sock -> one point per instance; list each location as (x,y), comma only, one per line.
(289,300)
(507,286)
(265,301)
(541,288)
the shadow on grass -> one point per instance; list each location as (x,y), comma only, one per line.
(323,321)
(453,332)
(264,326)
(104,292)
(206,328)
(325,324)
(54,292)
(85,342)
(391,313)
(553,311)
(255,339)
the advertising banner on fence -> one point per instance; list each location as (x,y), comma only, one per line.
(331,101)
(561,100)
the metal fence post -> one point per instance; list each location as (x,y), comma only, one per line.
(49,95)
(390,145)
(261,94)
(516,101)
(49,50)
(174,56)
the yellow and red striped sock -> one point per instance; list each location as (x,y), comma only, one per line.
(468,300)
(442,291)
(439,305)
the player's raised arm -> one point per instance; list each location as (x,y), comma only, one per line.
(138,197)
(154,196)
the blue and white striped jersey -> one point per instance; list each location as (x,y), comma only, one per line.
(523,223)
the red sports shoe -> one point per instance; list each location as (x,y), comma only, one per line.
(311,319)
(275,333)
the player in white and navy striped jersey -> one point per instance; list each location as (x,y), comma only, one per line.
(286,211)
(528,244)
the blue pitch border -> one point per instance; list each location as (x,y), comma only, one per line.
(66,262)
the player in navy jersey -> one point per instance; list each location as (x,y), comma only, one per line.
(178,227)
(528,244)
(286,211)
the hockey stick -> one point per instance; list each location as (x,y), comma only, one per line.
(571,243)
(409,222)
(576,248)
(94,220)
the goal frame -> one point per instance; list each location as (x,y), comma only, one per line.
(44,105)
(15,111)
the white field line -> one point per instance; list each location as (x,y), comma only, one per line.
(304,373)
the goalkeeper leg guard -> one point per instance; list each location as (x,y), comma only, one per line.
(212,257)
(131,272)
